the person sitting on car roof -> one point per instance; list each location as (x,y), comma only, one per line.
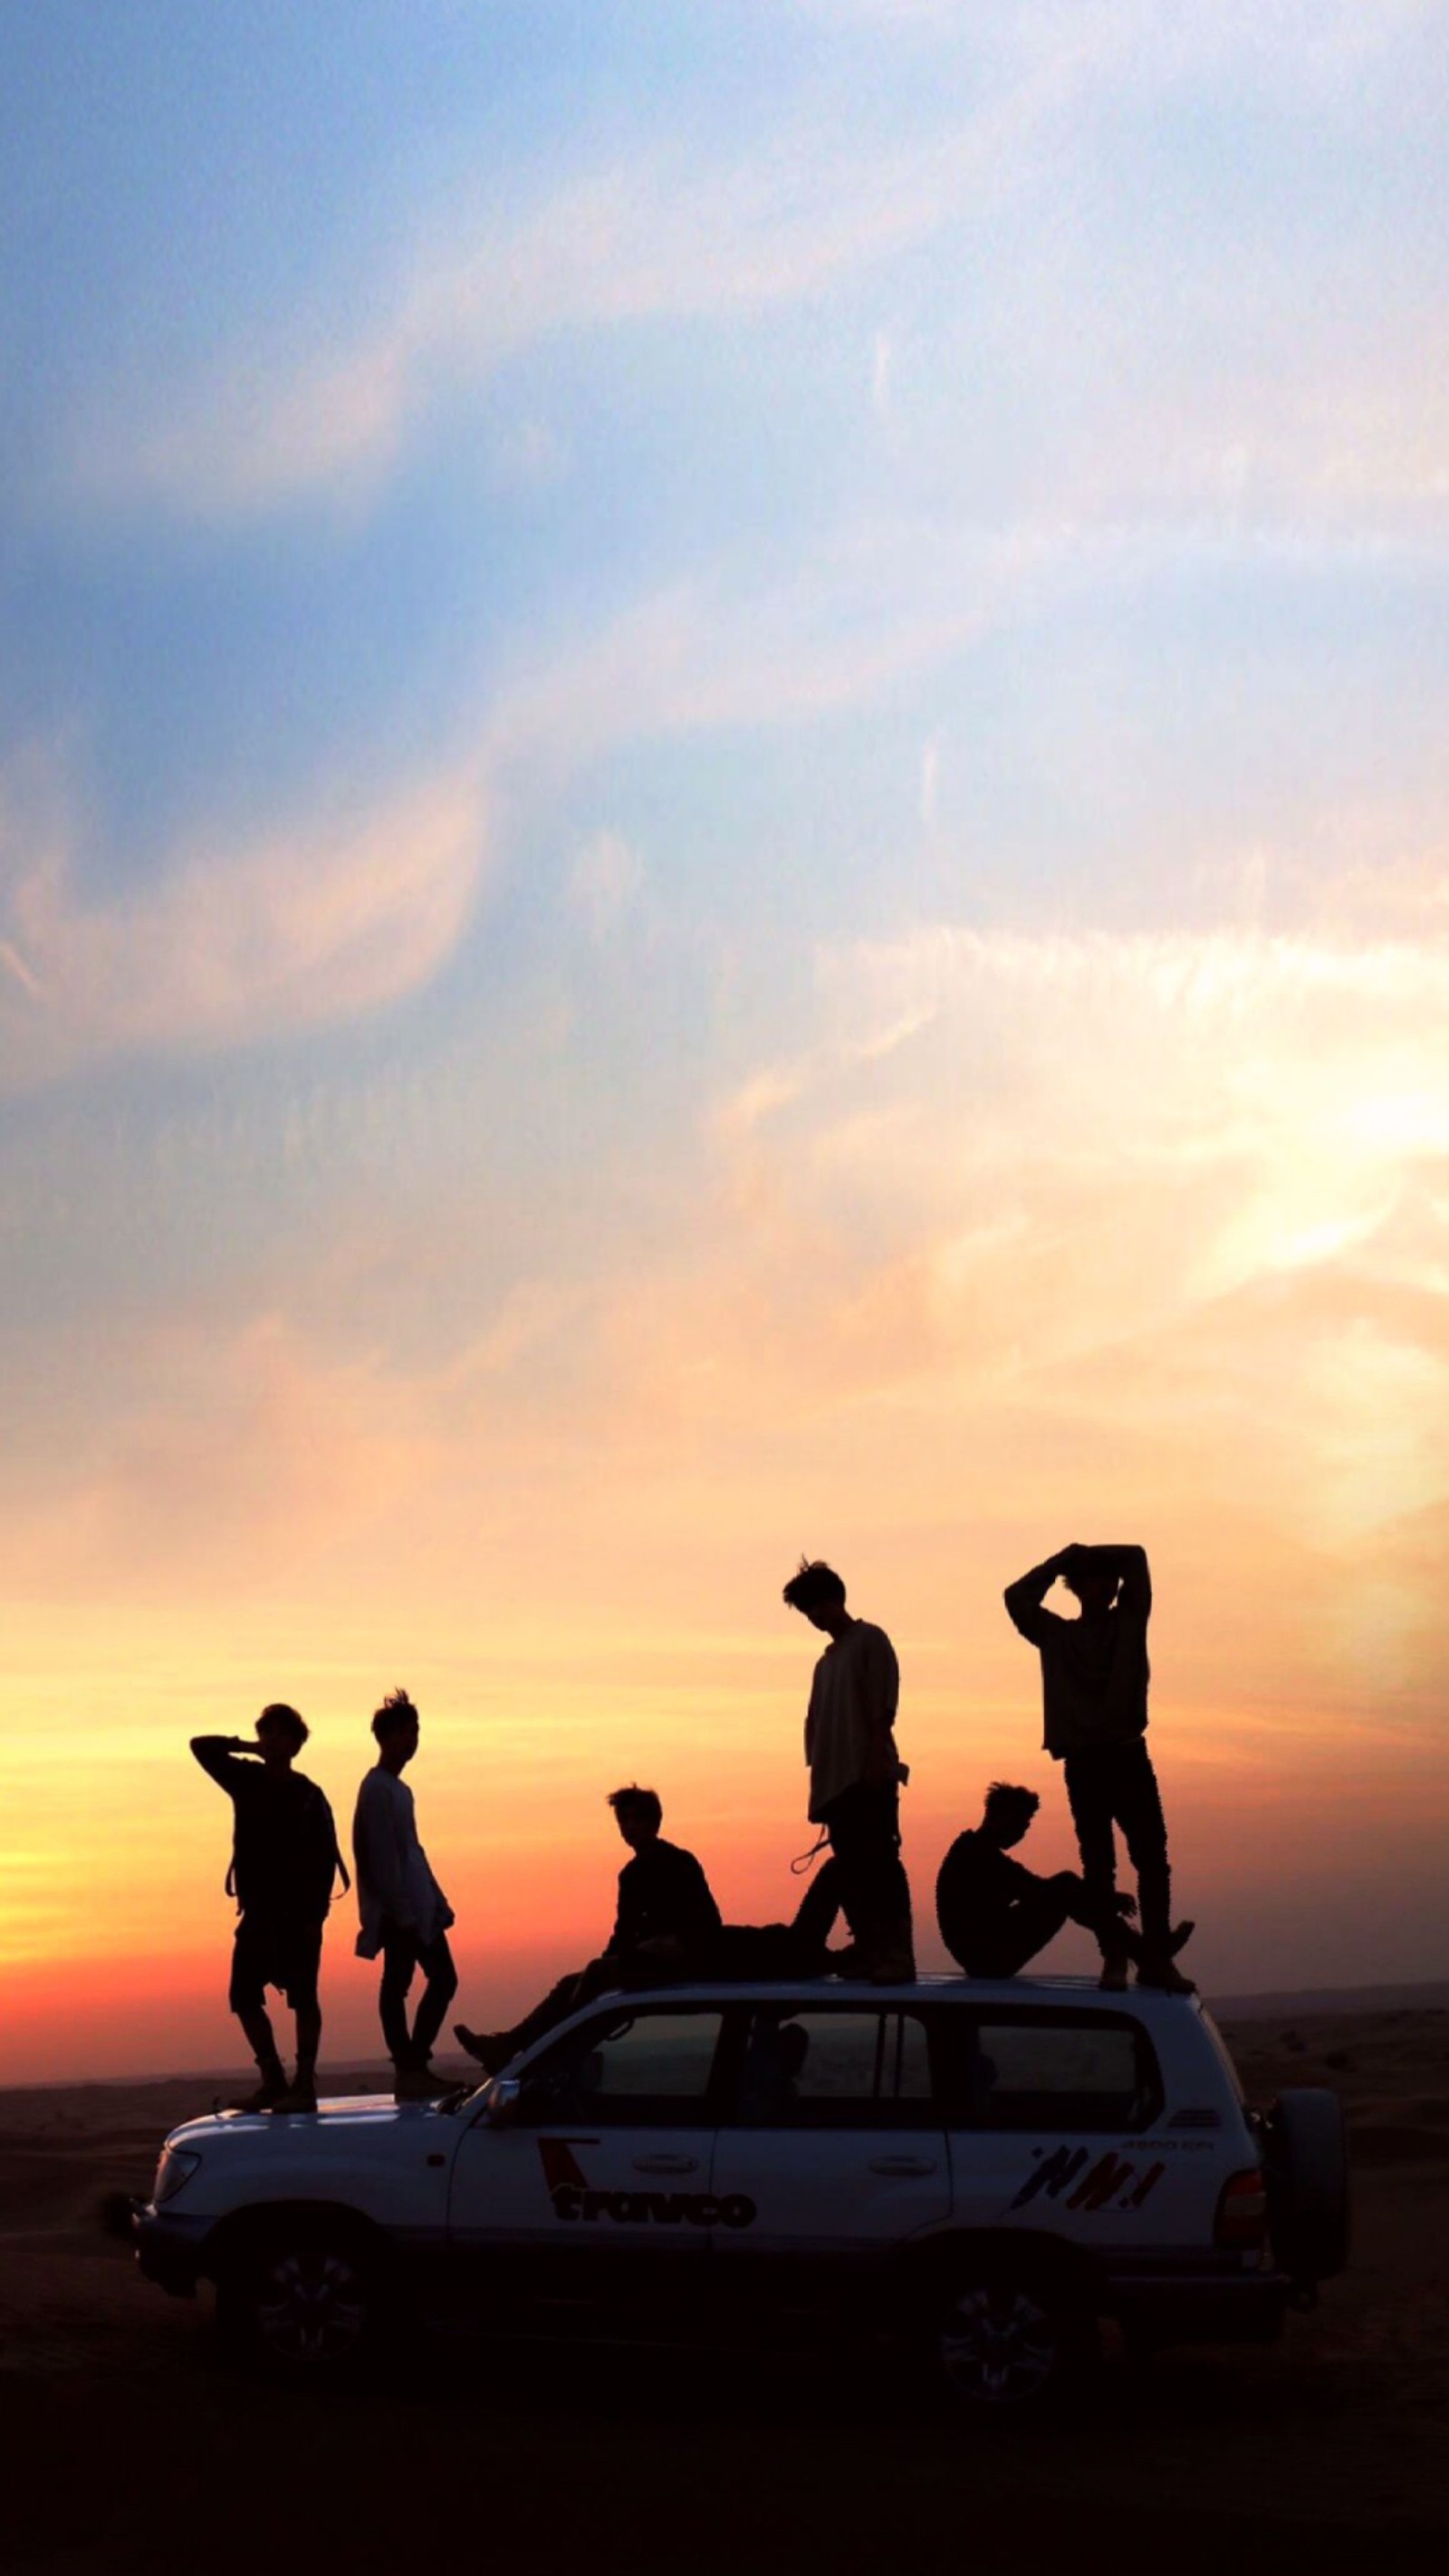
(666,1921)
(995,1914)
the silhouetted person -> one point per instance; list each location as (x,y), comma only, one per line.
(995,1914)
(405,1915)
(284,1859)
(663,1928)
(795,1949)
(855,1772)
(1094,1697)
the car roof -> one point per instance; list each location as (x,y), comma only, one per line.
(1033,1992)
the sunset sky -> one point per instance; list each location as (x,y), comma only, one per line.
(724,791)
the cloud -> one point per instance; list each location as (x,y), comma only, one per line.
(337,912)
(669,233)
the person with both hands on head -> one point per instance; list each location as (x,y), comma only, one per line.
(855,1774)
(995,1914)
(1094,1697)
(664,1929)
(284,1860)
(405,1915)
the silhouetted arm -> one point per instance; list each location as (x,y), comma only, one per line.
(1130,1565)
(1024,1597)
(220,1757)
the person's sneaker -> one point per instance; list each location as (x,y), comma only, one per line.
(1113,1979)
(491,2048)
(1164,1978)
(268,2094)
(1179,1937)
(844,1962)
(420,2084)
(894,1966)
(298,2097)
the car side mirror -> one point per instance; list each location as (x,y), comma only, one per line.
(504,2099)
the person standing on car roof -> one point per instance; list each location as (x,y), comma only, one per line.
(1094,1698)
(665,1929)
(405,1915)
(856,1775)
(284,1860)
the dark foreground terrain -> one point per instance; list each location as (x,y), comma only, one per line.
(126,2445)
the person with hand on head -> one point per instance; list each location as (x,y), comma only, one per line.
(995,1914)
(665,1928)
(1094,1698)
(856,1775)
(284,1860)
(405,1915)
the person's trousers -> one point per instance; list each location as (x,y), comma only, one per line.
(402,1955)
(1112,1785)
(1002,1944)
(874,1894)
(614,1972)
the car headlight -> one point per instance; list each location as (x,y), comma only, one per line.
(176,2168)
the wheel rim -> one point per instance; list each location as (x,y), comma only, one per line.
(311,2306)
(999,2344)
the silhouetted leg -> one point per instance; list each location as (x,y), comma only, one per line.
(399,1959)
(262,2041)
(1139,1812)
(1090,1796)
(436,1961)
(309,2040)
(816,1912)
(577,1988)
(1003,1945)
(251,1961)
(874,1891)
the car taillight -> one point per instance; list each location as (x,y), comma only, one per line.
(1242,2219)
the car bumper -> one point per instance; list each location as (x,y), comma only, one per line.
(1215,2308)
(170,2250)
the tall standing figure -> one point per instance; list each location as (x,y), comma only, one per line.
(405,1915)
(1095,1673)
(284,1859)
(856,1775)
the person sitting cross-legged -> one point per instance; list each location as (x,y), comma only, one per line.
(995,1914)
(666,1923)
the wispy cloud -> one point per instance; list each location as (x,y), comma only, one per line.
(329,914)
(669,234)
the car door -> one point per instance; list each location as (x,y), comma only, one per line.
(1059,2127)
(831,2150)
(592,2188)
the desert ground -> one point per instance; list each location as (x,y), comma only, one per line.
(128,2444)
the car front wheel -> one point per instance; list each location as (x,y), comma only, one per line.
(302,2302)
(1008,2343)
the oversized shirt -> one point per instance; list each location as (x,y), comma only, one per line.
(853,1700)
(1094,1671)
(394,1882)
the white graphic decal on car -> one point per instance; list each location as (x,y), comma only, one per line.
(575,2200)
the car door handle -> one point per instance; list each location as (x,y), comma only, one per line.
(666,2164)
(903,2164)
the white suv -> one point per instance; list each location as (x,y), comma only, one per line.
(985,2168)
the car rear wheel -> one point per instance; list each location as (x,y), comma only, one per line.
(1008,2342)
(301,2301)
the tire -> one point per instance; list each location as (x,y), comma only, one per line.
(1306,2162)
(301,2301)
(1009,2341)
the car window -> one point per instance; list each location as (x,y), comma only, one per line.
(1068,2071)
(806,2068)
(628,2067)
